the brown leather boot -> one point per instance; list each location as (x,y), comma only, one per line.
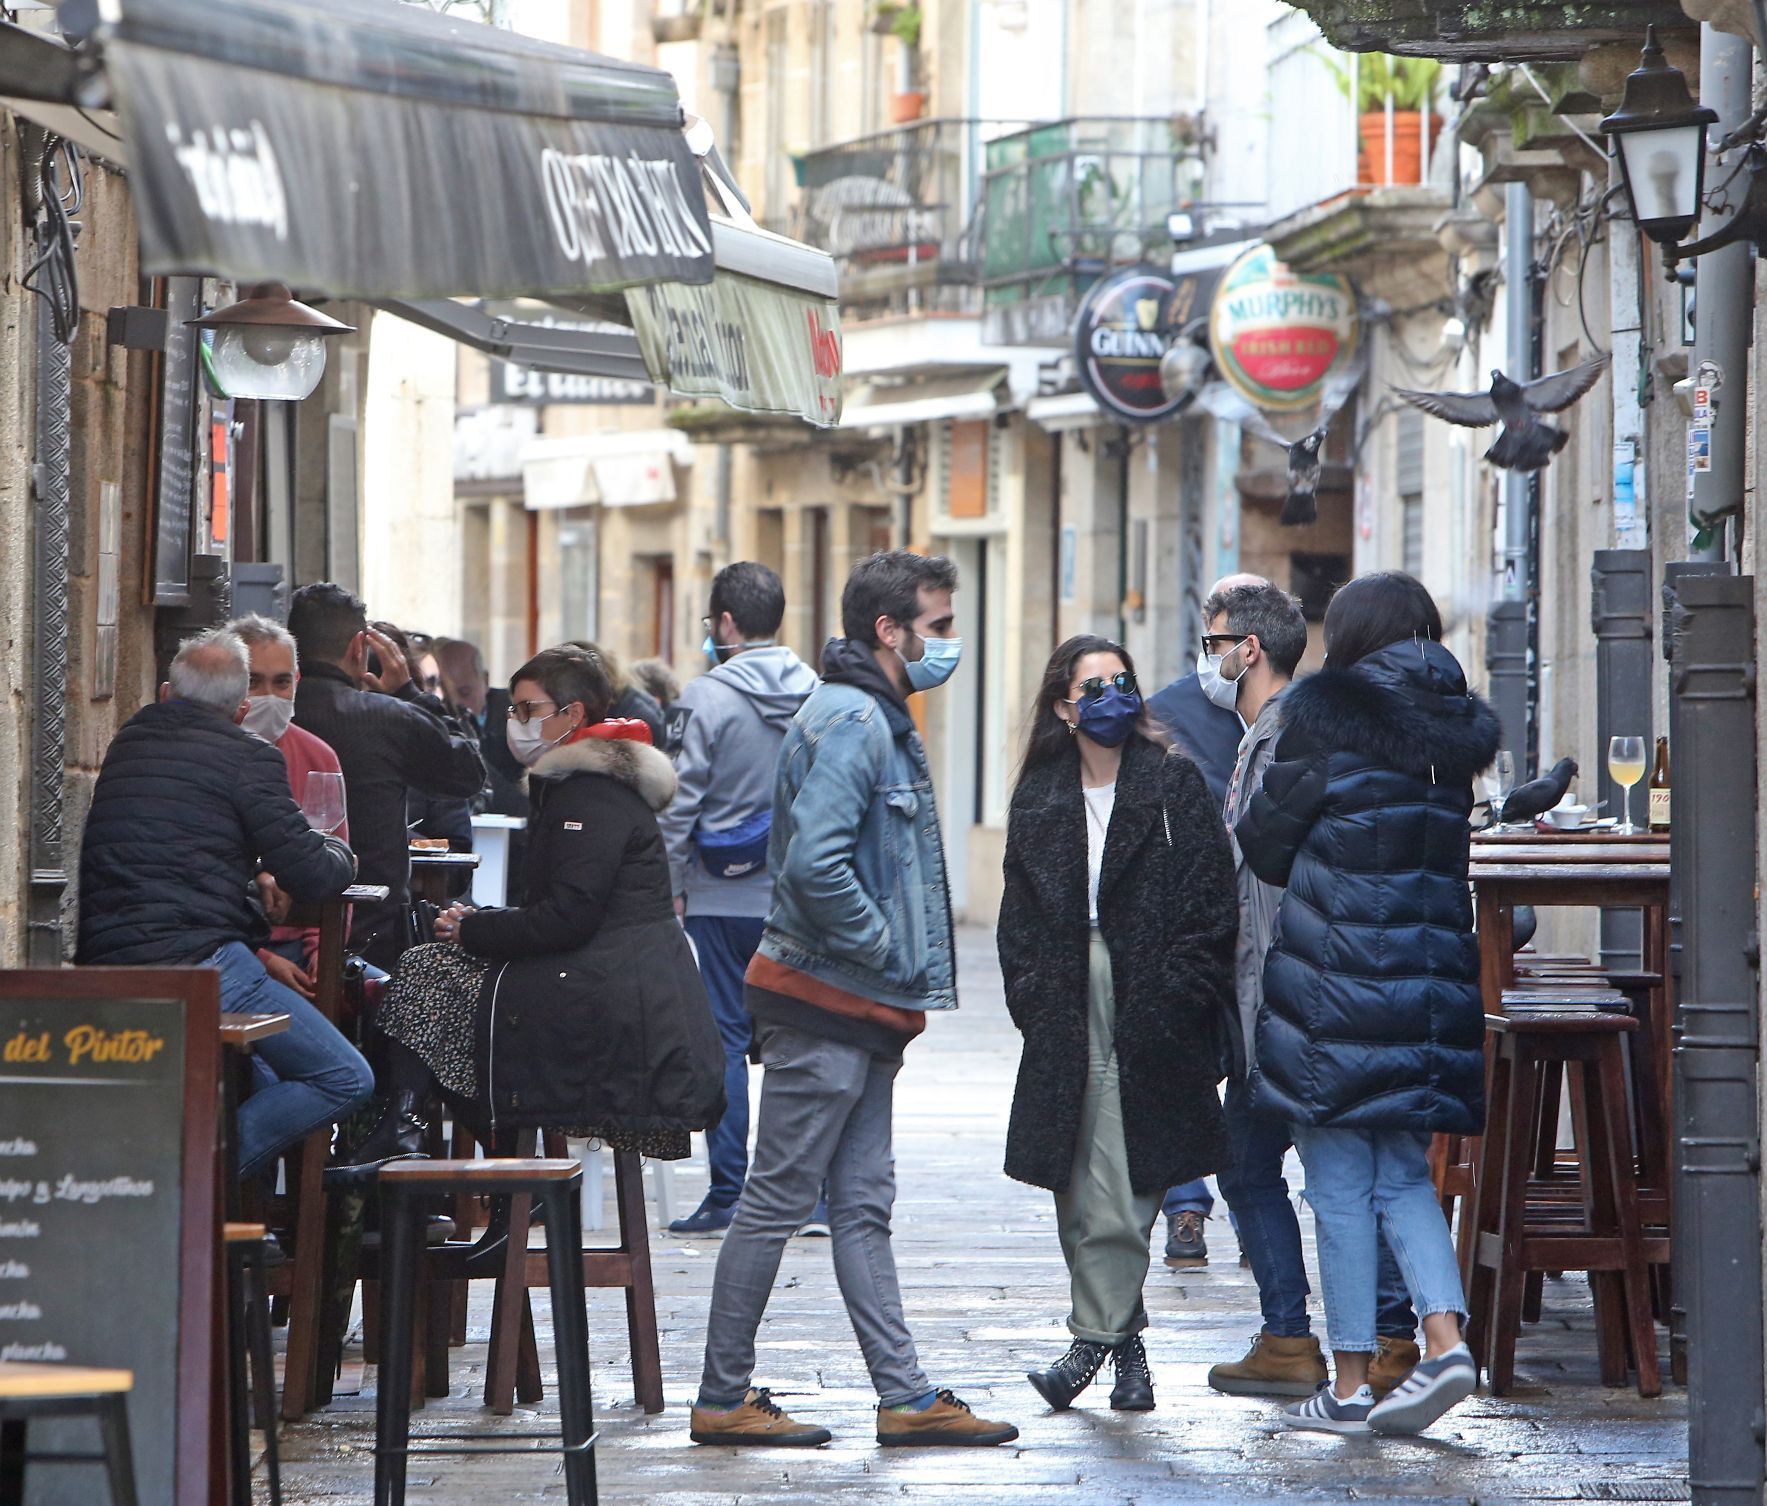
(758,1421)
(1392,1364)
(947,1423)
(1273,1366)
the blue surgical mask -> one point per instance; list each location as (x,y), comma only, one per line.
(1110,717)
(710,650)
(937,663)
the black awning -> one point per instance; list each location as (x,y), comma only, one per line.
(370,149)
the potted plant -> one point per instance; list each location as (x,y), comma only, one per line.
(883,16)
(1409,84)
(909,102)
(676,25)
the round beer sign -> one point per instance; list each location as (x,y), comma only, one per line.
(1126,325)
(1276,335)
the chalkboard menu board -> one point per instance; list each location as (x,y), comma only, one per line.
(107,1207)
(176,481)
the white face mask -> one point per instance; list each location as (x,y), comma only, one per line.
(1220,690)
(268,716)
(528,742)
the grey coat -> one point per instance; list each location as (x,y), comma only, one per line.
(1258,901)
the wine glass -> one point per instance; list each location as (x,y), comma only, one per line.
(322,803)
(1625,763)
(1499,781)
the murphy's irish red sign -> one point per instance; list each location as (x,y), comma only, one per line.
(1275,334)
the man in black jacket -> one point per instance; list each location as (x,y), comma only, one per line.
(390,737)
(188,808)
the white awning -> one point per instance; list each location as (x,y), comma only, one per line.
(971,395)
(1066,410)
(620,468)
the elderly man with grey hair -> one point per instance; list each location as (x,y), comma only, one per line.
(189,808)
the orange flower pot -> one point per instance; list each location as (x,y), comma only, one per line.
(907,106)
(1371,160)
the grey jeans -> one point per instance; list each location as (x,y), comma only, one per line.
(825,1114)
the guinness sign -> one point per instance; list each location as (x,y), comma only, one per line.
(1126,325)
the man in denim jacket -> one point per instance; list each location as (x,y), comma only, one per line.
(857,949)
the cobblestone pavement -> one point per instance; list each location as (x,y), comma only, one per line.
(986,1294)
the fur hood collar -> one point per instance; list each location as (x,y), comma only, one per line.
(1407,707)
(635,764)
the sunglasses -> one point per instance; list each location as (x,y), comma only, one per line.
(1092,688)
(1233,639)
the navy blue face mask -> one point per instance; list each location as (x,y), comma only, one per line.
(1109,717)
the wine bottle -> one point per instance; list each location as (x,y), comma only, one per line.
(1659,788)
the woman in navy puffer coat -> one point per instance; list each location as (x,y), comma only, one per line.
(1371,1033)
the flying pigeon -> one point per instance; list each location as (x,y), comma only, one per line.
(1538,796)
(1525,444)
(1301,505)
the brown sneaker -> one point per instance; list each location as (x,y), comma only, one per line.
(1273,1367)
(947,1423)
(1395,1361)
(757,1421)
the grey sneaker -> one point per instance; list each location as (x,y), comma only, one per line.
(1185,1246)
(1324,1412)
(1434,1385)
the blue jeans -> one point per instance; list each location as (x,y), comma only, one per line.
(1363,1183)
(1256,1193)
(725,944)
(315,1076)
(1189,1197)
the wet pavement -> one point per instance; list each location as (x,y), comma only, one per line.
(986,1294)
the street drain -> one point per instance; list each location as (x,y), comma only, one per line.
(1634,1490)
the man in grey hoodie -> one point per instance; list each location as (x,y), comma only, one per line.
(731,722)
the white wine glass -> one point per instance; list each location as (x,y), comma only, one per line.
(1499,781)
(1625,763)
(322,802)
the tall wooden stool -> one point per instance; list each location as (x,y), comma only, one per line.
(248,1335)
(406,1187)
(1521,1227)
(31,1391)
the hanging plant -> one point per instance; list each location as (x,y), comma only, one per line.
(905,27)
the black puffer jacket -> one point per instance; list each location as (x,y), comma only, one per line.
(386,744)
(1372,1016)
(1168,912)
(597,1016)
(186,806)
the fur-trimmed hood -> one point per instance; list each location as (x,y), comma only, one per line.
(635,764)
(1406,707)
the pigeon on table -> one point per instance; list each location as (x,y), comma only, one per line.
(1538,796)
(1525,444)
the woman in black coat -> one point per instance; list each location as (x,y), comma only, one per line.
(581,1008)
(1370,1037)
(1116,939)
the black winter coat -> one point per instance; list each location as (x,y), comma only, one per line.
(386,745)
(597,1015)
(1372,1016)
(186,806)
(1169,913)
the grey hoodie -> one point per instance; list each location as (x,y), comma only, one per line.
(736,719)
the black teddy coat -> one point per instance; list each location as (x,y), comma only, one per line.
(1168,911)
(1372,1017)
(597,1015)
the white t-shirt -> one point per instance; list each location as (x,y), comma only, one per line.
(1099,805)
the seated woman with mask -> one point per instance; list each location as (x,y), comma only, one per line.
(582,1008)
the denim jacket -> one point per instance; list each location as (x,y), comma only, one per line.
(860,897)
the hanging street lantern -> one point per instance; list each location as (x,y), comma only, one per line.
(1660,134)
(268,346)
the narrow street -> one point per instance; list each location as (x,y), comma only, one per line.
(985,1290)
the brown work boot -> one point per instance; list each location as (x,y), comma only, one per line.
(1273,1367)
(947,1423)
(1395,1361)
(757,1421)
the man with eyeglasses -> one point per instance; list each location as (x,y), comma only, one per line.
(1200,715)
(730,723)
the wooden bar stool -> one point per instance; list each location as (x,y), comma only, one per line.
(1520,1228)
(30,1391)
(407,1188)
(248,1334)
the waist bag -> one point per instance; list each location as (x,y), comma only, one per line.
(737,851)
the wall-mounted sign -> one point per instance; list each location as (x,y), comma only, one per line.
(1276,334)
(1127,323)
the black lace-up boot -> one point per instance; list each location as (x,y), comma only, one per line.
(1070,1375)
(1133,1391)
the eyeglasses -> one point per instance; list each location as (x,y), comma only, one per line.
(523,711)
(1235,639)
(1093,687)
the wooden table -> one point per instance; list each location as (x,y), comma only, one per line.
(433,873)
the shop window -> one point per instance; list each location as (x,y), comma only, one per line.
(577,575)
(663,618)
(967,450)
(1312,579)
